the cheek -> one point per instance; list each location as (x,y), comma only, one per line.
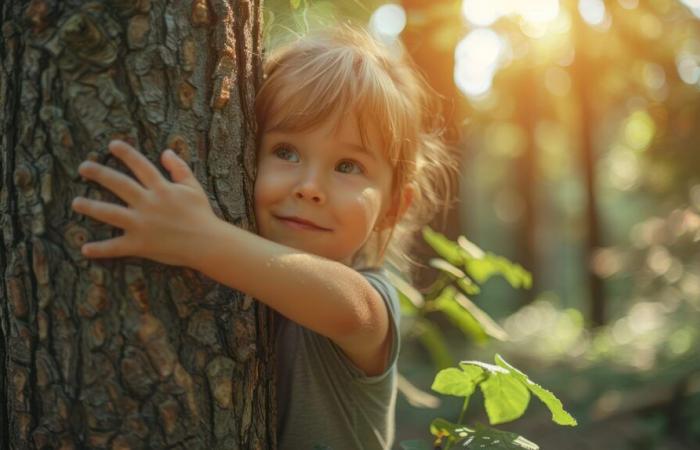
(261,194)
(370,205)
(264,187)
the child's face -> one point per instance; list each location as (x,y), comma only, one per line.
(319,191)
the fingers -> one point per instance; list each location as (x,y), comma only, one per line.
(111,248)
(108,213)
(179,170)
(120,184)
(144,170)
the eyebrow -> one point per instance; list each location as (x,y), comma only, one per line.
(359,149)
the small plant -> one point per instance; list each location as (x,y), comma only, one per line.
(463,268)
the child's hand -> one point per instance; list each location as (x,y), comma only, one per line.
(163,220)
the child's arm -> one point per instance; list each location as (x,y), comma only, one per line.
(322,295)
(172,222)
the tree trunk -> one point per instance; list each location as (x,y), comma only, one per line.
(583,78)
(125,353)
(526,179)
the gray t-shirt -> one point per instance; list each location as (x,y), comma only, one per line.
(325,402)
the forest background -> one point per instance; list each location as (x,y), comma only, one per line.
(576,125)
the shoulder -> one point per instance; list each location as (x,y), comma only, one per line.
(379,279)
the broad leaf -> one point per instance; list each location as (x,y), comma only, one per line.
(295,3)
(483,269)
(493,439)
(458,382)
(489,326)
(441,427)
(441,264)
(444,247)
(559,415)
(463,319)
(468,286)
(490,368)
(472,249)
(505,397)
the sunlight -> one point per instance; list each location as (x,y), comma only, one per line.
(592,11)
(628,4)
(477,57)
(537,11)
(482,13)
(693,6)
(485,13)
(688,66)
(388,21)
(639,130)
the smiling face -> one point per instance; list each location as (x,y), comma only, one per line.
(321,190)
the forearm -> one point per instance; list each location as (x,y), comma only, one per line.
(322,295)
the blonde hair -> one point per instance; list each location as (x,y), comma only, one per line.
(345,69)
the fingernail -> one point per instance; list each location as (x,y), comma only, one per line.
(84,165)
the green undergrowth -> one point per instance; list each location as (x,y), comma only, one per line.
(463,267)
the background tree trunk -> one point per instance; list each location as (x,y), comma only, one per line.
(125,353)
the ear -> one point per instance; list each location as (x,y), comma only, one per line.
(401,202)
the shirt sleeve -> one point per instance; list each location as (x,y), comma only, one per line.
(389,295)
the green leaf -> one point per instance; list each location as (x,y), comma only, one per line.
(441,427)
(444,247)
(468,286)
(472,249)
(295,3)
(434,342)
(458,382)
(488,325)
(493,439)
(481,270)
(490,368)
(559,415)
(446,267)
(459,316)
(505,397)
(415,444)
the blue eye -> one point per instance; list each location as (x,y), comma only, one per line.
(283,152)
(349,167)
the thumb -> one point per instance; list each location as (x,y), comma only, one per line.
(179,170)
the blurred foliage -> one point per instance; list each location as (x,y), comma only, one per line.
(463,266)
(506,390)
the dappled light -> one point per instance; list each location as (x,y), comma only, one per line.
(388,21)
(477,57)
(592,11)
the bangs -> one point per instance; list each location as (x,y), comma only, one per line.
(308,84)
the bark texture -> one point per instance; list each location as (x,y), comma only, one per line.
(125,354)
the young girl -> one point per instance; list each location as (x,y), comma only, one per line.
(349,165)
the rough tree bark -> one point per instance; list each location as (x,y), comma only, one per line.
(125,353)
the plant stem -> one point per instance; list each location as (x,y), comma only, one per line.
(464,409)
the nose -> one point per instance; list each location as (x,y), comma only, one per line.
(310,188)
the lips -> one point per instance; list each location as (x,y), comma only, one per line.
(298,222)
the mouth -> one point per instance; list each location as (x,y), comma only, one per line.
(299,223)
